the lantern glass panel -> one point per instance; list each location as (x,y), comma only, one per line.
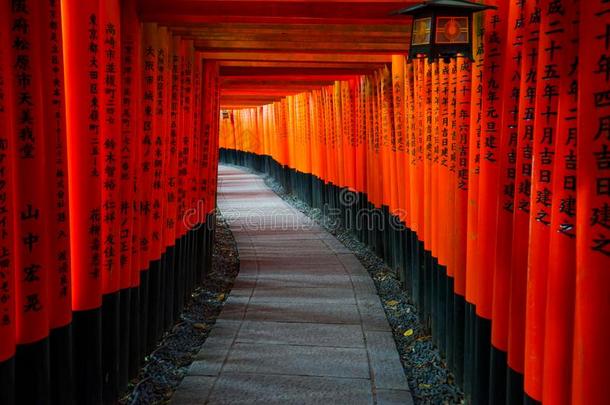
(422,28)
(452,30)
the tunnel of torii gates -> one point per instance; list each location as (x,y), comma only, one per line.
(495,174)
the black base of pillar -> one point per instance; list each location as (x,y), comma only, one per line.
(482,344)
(87,335)
(469,349)
(33,373)
(143,315)
(459,314)
(110,346)
(497,376)
(514,387)
(428,289)
(434,300)
(62,365)
(449,319)
(134,332)
(161,291)
(169,266)
(178,277)
(527,400)
(124,338)
(7,381)
(154,287)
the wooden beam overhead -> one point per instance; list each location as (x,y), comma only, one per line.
(232,11)
(279,65)
(247,99)
(310,81)
(254,72)
(296,57)
(304,39)
(237,107)
(299,47)
(372,30)
(280,35)
(171,20)
(280,92)
(306,35)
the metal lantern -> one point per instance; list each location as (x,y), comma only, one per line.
(442,28)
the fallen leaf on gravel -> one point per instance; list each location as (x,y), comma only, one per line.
(425,386)
(200,326)
(221,297)
(408,332)
(392,303)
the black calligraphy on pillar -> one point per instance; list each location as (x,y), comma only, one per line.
(527,109)
(60,187)
(445,88)
(6,220)
(28,160)
(158,152)
(550,56)
(463,116)
(146,146)
(95,228)
(510,133)
(171,182)
(599,143)
(109,182)
(127,134)
(453,111)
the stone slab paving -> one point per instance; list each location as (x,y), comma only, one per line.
(303,323)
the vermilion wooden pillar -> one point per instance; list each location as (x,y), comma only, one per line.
(7,253)
(402,167)
(167,242)
(173,177)
(414,111)
(110,151)
(179,75)
(199,218)
(148,130)
(474,167)
(60,285)
(30,202)
(129,102)
(494,93)
(82,59)
(187,217)
(561,278)
(131,47)
(461,211)
(431,140)
(507,156)
(544,141)
(214,141)
(523,173)
(156,204)
(592,305)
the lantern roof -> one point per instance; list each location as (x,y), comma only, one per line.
(432,5)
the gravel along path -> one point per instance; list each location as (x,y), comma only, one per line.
(429,379)
(169,362)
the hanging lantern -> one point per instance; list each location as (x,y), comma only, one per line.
(442,28)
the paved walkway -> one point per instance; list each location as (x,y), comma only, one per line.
(303,324)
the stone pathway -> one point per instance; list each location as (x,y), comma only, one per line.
(303,323)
